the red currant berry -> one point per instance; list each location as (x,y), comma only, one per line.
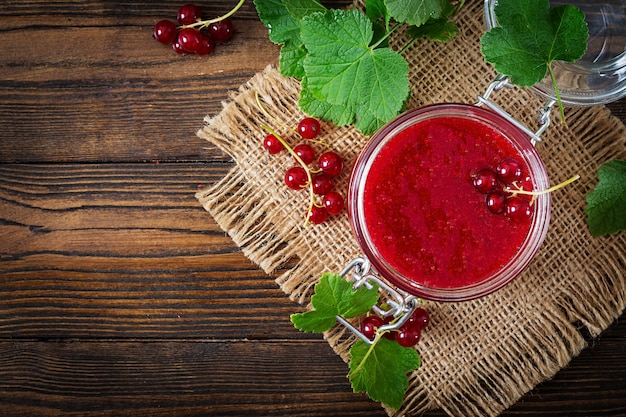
(272,144)
(495,202)
(296,178)
(165,31)
(189,39)
(309,128)
(333,201)
(509,170)
(206,44)
(317,215)
(419,318)
(485,181)
(408,335)
(305,152)
(177,48)
(525,184)
(322,184)
(222,30)
(369,326)
(188,14)
(330,163)
(518,209)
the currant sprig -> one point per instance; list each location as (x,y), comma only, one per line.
(194,35)
(318,181)
(507,187)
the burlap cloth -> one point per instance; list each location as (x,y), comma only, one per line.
(479,357)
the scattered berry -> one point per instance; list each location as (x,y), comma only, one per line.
(296,178)
(188,14)
(518,209)
(370,325)
(509,170)
(485,181)
(272,144)
(317,215)
(305,152)
(322,184)
(206,44)
(222,31)
(309,128)
(330,163)
(408,335)
(333,201)
(495,202)
(165,31)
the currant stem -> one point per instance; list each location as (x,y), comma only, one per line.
(266,113)
(549,190)
(205,23)
(378,336)
(557,93)
(301,163)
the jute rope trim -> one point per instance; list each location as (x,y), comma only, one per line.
(479,357)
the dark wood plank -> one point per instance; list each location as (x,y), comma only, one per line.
(200,378)
(126,251)
(94,86)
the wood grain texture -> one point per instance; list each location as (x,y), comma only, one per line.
(119,295)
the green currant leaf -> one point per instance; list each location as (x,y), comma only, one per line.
(342,69)
(381,370)
(440,30)
(334,296)
(531,35)
(606,204)
(282,26)
(290,60)
(377,9)
(313,106)
(415,12)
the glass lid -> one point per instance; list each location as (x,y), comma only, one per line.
(600,75)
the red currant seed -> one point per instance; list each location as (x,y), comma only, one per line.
(189,39)
(509,170)
(188,14)
(309,128)
(272,144)
(370,325)
(495,202)
(321,184)
(317,215)
(485,181)
(330,163)
(518,209)
(333,201)
(165,31)
(206,44)
(296,178)
(305,152)
(222,31)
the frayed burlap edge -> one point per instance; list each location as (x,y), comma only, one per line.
(479,357)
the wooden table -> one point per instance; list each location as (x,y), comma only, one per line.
(119,295)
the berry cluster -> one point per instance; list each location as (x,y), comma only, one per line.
(507,188)
(407,335)
(194,35)
(312,172)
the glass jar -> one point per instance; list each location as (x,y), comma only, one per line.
(599,77)
(407,229)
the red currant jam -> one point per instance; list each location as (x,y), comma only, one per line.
(417,213)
